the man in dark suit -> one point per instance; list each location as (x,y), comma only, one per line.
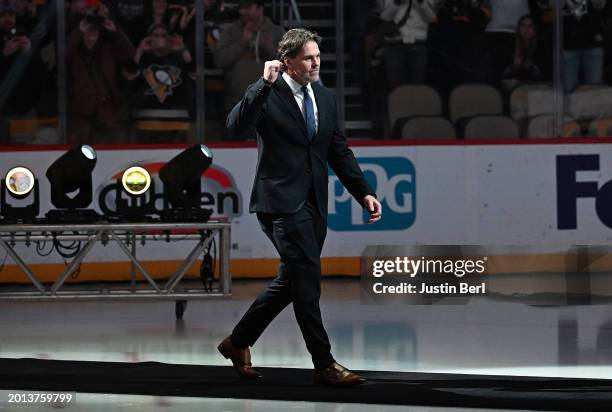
(297,136)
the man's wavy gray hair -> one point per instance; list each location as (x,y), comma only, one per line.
(293,41)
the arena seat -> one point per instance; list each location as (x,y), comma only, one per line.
(491,127)
(530,100)
(543,126)
(408,101)
(428,127)
(469,100)
(590,103)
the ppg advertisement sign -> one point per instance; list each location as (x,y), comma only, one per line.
(394,181)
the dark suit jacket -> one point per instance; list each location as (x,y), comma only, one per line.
(288,163)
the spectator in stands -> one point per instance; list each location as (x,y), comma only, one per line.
(525,65)
(457,43)
(244,47)
(215,16)
(583,52)
(95,53)
(8,16)
(155,12)
(20,69)
(163,80)
(500,34)
(163,12)
(35,21)
(405,54)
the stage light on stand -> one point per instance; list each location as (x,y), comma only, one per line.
(19,182)
(135,195)
(71,186)
(182,178)
(136,180)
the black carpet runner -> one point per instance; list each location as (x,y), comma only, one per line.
(398,388)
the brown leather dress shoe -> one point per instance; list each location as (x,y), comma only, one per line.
(337,375)
(241,358)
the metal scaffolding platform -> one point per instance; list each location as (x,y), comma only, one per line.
(126,236)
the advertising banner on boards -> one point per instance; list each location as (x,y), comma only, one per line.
(464,195)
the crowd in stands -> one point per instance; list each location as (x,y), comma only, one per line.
(505,44)
(450,42)
(131,64)
(130,67)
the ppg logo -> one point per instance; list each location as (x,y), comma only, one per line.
(570,189)
(393,180)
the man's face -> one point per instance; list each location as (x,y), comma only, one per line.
(304,68)
(251,14)
(91,36)
(7,21)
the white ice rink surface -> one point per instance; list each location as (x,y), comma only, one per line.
(478,338)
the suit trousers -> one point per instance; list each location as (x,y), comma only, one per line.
(298,237)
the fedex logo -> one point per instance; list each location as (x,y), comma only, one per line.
(570,189)
(393,180)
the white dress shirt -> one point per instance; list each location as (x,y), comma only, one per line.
(296,88)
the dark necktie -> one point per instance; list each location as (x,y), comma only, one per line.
(311,127)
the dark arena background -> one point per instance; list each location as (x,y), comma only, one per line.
(128,253)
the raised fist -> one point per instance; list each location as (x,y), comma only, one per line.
(272,70)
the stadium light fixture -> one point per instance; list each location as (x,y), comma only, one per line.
(182,177)
(136,180)
(19,183)
(71,186)
(139,204)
